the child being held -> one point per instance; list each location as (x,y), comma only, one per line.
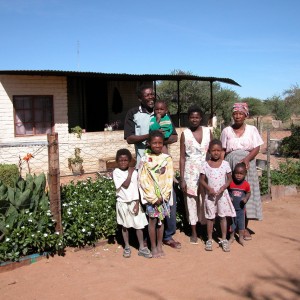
(239,191)
(129,210)
(161,121)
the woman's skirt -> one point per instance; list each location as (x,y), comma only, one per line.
(253,206)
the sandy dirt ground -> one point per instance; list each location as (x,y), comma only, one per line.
(268,267)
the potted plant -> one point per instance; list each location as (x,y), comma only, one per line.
(77,130)
(75,162)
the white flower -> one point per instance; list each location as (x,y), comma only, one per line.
(7,240)
(48,214)
(22,227)
(65,204)
(32,235)
(69,213)
(83,230)
(92,225)
(29,220)
(56,232)
(45,234)
(7,226)
(59,244)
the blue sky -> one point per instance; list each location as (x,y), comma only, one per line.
(256,43)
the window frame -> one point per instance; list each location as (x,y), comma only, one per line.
(33,98)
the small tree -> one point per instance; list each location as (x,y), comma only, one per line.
(278,108)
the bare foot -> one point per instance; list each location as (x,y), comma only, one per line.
(231,240)
(160,250)
(155,253)
(241,240)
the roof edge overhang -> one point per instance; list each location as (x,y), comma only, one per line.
(119,76)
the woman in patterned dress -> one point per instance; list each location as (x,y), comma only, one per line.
(241,143)
(194,143)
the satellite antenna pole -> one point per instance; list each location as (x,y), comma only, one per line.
(78,46)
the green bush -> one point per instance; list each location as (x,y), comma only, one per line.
(287,174)
(26,224)
(290,146)
(9,174)
(88,211)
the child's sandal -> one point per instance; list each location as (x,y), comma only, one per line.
(208,245)
(126,252)
(225,246)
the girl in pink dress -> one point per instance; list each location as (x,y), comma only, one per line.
(215,178)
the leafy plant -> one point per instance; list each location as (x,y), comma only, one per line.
(287,174)
(88,211)
(77,130)
(26,224)
(9,173)
(76,159)
(290,146)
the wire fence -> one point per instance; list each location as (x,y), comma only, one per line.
(97,148)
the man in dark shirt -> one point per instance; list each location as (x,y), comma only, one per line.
(136,131)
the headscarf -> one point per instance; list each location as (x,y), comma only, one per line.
(242,107)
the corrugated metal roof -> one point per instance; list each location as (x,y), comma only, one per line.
(118,76)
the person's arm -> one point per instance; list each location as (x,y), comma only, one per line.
(127,181)
(129,129)
(246,198)
(252,154)
(210,191)
(134,139)
(173,138)
(226,185)
(182,163)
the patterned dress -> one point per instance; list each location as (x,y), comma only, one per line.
(238,148)
(222,204)
(156,181)
(195,155)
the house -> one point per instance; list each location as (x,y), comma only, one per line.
(35,103)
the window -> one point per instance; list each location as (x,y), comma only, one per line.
(33,115)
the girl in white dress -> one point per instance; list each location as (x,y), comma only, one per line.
(194,143)
(215,178)
(129,210)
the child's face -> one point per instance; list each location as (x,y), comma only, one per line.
(160,109)
(156,144)
(239,174)
(215,152)
(123,162)
(194,119)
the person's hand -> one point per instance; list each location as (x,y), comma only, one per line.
(159,201)
(136,208)
(131,170)
(211,192)
(243,202)
(220,191)
(183,185)
(246,162)
(158,118)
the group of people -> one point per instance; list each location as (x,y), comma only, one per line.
(217,177)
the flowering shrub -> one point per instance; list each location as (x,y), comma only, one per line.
(88,211)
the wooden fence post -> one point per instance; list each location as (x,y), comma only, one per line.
(54,180)
(268,163)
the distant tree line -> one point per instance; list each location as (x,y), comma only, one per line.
(198,93)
